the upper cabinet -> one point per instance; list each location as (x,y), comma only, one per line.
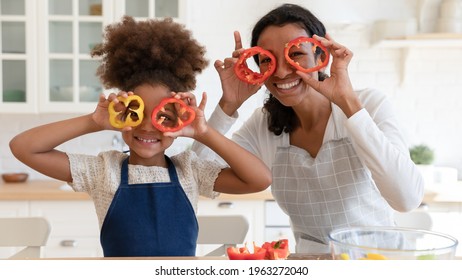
(18,56)
(46,45)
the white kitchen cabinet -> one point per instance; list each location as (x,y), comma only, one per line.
(18,56)
(277,224)
(253,210)
(447,218)
(45,49)
(11,209)
(75,229)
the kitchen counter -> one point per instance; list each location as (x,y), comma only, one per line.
(58,190)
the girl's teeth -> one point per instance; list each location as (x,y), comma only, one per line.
(288,85)
(147,140)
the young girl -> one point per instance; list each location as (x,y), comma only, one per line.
(145,201)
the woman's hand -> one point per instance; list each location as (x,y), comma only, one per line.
(337,88)
(199,125)
(235,91)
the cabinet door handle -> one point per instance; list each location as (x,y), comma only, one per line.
(225,205)
(69,243)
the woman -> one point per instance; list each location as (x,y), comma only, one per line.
(337,156)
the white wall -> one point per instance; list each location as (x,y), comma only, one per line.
(425,84)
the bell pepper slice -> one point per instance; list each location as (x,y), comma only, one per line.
(243,253)
(277,250)
(172,114)
(131,116)
(244,73)
(321,61)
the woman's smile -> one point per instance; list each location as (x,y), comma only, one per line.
(287,85)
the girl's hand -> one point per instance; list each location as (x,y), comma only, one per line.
(235,91)
(199,125)
(101,114)
(337,88)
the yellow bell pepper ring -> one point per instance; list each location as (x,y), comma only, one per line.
(132,115)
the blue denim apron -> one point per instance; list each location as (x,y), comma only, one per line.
(152,219)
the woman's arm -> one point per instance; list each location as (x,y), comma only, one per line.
(378,140)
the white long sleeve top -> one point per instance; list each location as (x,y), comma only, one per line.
(374,132)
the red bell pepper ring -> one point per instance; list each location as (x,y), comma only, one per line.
(172,114)
(131,116)
(243,253)
(276,250)
(322,60)
(244,73)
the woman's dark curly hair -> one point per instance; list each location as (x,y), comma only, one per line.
(152,51)
(282,118)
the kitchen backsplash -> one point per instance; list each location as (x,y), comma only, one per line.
(424,83)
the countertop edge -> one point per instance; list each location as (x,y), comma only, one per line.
(58,190)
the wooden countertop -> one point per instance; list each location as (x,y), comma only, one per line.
(39,190)
(58,190)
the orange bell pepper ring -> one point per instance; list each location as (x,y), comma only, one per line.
(131,116)
(172,114)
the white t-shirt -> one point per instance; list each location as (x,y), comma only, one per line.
(99,176)
(374,132)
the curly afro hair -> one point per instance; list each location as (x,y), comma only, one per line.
(149,52)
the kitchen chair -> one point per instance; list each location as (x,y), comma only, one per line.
(225,230)
(31,233)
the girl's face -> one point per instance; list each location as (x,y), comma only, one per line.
(285,84)
(147,144)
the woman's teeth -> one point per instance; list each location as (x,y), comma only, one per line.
(288,85)
(146,140)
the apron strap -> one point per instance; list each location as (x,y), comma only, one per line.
(124,172)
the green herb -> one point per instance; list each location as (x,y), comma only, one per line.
(422,154)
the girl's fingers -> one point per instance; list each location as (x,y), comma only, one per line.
(203,101)
(187,97)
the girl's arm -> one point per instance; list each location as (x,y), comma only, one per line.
(36,147)
(246,172)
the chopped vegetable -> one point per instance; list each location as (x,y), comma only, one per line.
(132,115)
(172,114)
(320,52)
(275,250)
(244,73)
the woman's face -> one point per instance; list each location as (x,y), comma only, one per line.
(285,84)
(147,144)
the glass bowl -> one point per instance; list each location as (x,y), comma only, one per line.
(393,243)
